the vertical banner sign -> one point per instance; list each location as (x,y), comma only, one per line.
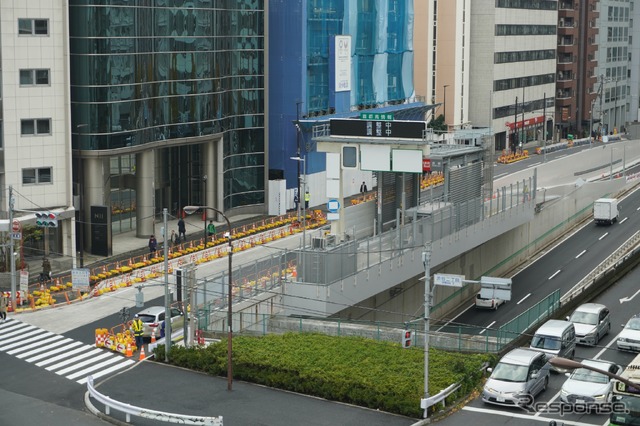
(343,63)
(24,282)
(100,230)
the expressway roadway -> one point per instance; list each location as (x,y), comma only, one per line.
(560,267)
(481,414)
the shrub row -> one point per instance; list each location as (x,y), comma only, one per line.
(364,372)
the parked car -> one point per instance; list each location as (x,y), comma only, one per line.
(629,337)
(152,318)
(592,321)
(520,374)
(586,387)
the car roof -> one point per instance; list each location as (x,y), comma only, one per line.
(520,356)
(553,327)
(153,310)
(598,363)
(590,307)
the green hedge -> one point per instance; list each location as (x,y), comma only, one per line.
(364,372)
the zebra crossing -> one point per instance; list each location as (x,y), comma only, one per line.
(61,355)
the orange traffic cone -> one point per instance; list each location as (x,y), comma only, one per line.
(142,355)
(129,353)
(153,335)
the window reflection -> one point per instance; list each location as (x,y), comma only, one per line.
(181,68)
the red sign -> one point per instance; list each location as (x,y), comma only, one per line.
(426,164)
(525,123)
(15,225)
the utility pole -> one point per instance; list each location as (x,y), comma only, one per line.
(426,260)
(167,301)
(11,248)
(298,154)
(600,94)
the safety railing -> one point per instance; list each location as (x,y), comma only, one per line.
(131,410)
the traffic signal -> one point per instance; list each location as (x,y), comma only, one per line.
(407,338)
(46,220)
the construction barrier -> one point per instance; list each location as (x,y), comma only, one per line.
(116,341)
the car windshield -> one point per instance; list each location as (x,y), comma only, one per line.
(633,324)
(631,403)
(584,375)
(584,318)
(545,342)
(510,372)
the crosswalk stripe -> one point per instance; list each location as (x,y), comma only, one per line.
(61,356)
(17,338)
(36,344)
(95,367)
(74,359)
(84,363)
(57,347)
(123,364)
(36,336)
(56,353)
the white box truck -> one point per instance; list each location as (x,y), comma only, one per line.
(605,210)
(493,292)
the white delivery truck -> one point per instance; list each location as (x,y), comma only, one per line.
(605,210)
(493,292)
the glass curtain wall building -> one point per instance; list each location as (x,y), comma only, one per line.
(304,68)
(167,101)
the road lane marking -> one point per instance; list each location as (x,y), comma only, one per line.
(581,253)
(554,274)
(534,164)
(604,235)
(454,318)
(485,329)
(628,299)
(623,220)
(523,416)
(523,299)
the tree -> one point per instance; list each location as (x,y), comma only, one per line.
(438,124)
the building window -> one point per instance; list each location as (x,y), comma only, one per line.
(33,26)
(34,77)
(36,176)
(35,126)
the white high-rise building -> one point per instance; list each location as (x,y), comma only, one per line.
(35,144)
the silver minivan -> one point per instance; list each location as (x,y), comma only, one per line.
(520,375)
(555,338)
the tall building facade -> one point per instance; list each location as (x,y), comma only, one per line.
(167,106)
(334,58)
(613,64)
(442,52)
(512,69)
(35,155)
(577,77)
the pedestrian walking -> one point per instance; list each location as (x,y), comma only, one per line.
(211,229)
(173,238)
(137,326)
(182,230)
(307,198)
(363,188)
(296,199)
(4,302)
(153,244)
(46,270)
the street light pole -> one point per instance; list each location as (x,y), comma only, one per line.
(190,210)
(304,206)
(426,260)
(167,302)
(444,114)
(11,254)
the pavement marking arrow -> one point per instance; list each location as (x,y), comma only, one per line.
(628,299)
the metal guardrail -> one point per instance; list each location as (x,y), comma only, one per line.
(611,261)
(439,397)
(131,410)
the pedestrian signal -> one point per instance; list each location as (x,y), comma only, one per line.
(407,338)
(46,220)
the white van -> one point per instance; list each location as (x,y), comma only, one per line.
(555,338)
